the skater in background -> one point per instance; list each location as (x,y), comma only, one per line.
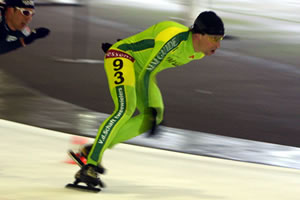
(15,15)
(131,66)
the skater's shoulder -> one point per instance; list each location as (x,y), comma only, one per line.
(169,24)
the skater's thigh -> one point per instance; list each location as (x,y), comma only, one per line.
(119,67)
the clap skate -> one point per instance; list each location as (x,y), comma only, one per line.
(88,175)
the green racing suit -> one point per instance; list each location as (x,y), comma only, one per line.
(131,66)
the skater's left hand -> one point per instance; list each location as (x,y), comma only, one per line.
(154,130)
(105,47)
(36,34)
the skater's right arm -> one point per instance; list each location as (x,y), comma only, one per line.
(6,45)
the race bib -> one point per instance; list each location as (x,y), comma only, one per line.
(119,68)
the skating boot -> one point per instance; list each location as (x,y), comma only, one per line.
(81,157)
(88,175)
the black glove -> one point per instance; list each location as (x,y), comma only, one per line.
(36,34)
(106,46)
(153,131)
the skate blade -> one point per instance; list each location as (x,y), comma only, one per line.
(83,188)
(75,158)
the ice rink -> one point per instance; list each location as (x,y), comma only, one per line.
(33,167)
(241,105)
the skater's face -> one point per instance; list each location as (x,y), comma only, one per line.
(207,44)
(19,18)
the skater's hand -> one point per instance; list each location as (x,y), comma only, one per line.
(153,131)
(36,34)
(105,47)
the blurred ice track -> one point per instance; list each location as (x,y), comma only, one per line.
(33,168)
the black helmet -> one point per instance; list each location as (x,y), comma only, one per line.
(208,23)
(20,3)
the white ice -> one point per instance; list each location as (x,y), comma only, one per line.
(33,168)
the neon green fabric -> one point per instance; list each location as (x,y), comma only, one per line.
(131,66)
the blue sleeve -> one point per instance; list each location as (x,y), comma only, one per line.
(6,47)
